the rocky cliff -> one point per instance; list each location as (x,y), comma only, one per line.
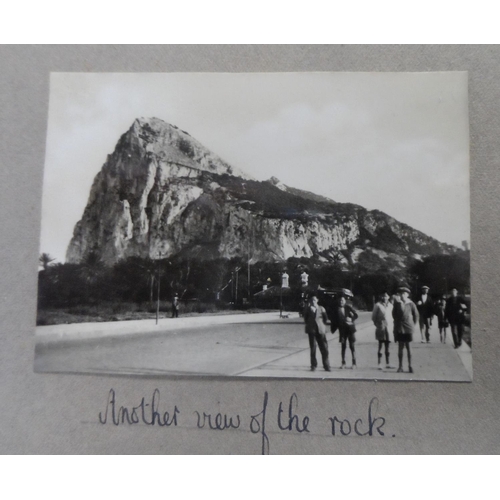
(162,193)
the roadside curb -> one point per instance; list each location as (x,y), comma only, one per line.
(88,331)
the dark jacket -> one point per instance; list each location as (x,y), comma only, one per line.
(315,320)
(425,310)
(455,310)
(338,322)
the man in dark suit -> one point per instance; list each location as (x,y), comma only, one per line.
(315,319)
(425,313)
(455,314)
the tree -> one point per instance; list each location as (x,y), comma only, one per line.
(45,260)
(442,272)
(91,271)
(60,286)
(151,270)
(131,279)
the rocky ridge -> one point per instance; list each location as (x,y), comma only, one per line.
(161,193)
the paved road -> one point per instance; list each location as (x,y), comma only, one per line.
(250,345)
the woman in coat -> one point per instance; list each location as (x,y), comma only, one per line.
(382,319)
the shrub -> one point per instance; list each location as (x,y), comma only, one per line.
(186,147)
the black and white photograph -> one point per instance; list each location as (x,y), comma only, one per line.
(307,225)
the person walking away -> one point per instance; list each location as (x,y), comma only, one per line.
(382,319)
(425,313)
(315,319)
(443,323)
(405,316)
(302,305)
(343,318)
(455,314)
(175,306)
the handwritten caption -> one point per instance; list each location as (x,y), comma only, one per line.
(286,416)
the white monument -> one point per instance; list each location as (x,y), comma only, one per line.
(304,278)
(284,280)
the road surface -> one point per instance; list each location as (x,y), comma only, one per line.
(240,345)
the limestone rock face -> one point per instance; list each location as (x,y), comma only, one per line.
(161,193)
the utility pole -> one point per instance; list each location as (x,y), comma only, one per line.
(248,271)
(281,294)
(158,293)
(252,240)
(248,281)
(236,286)
(232,287)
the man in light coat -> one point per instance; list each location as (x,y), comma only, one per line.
(384,323)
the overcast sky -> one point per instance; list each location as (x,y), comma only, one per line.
(397,142)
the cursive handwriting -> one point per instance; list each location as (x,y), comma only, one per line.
(220,422)
(345,427)
(138,413)
(292,418)
(259,425)
(283,418)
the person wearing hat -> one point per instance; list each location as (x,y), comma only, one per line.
(405,316)
(315,318)
(342,318)
(455,313)
(425,313)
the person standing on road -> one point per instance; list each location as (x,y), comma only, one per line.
(382,319)
(405,316)
(175,306)
(455,314)
(425,313)
(443,323)
(315,318)
(343,317)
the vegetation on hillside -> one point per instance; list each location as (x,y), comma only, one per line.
(265,197)
(134,285)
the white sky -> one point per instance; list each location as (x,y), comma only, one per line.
(397,142)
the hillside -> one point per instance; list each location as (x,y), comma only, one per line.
(161,194)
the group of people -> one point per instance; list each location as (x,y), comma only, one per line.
(342,318)
(398,315)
